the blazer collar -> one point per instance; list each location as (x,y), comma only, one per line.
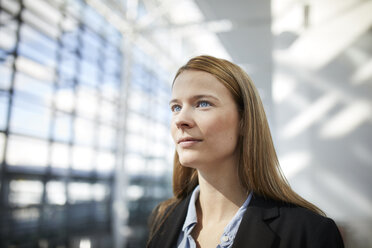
(254,231)
(167,235)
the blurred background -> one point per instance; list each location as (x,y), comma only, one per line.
(85,148)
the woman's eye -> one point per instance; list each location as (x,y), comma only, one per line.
(203,104)
(176,108)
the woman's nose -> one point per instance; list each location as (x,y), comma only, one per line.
(184,119)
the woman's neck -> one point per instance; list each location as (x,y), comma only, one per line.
(221,194)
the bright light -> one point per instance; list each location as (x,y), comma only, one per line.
(294,162)
(347,120)
(85,243)
(310,115)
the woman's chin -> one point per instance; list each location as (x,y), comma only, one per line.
(188,162)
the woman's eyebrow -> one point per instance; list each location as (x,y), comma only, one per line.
(196,97)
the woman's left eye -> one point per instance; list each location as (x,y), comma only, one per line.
(203,104)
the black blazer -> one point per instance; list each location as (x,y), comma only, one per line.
(265,224)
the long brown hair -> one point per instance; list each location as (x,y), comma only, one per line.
(258,165)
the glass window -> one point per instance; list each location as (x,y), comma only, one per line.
(26,215)
(60,155)
(84,132)
(4,98)
(43,26)
(7,32)
(62,127)
(108,112)
(87,103)
(89,73)
(25,192)
(79,191)
(6,72)
(105,162)
(36,117)
(34,69)
(92,19)
(110,91)
(65,99)
(134,164)
(41,91)
(56,192)
(37,47)
(2,143)
(82,158)
(107,137)
(34,151)
(100,191)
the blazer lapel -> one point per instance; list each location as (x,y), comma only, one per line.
(254,231)
(167,235)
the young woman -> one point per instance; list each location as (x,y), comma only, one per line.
(228,187)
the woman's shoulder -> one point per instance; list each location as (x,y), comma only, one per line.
(308,227)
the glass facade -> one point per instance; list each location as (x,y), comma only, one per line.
(61,75)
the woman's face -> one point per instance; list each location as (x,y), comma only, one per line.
(205,122)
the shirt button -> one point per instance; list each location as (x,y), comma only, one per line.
(225,238)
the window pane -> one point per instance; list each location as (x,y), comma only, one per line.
(3,110)
(26,151)
(79,191)
(28,118)
(107,137)
(2,143)
(108,112)
(86,101)
(100,191)
(65,99)
(82,158)
(56,193)
(39,92)
(25,192)
(60,155)
(5,72)
(84,132)
(105,162)
(62,127)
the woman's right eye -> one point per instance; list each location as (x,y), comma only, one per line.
(176,108)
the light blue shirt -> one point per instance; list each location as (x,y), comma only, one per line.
(185,240)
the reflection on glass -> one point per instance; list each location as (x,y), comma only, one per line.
(25,192)
(26,151)
(56,193)
(79,191)
(82,158)
(60,155)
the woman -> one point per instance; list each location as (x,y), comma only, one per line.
(228,187)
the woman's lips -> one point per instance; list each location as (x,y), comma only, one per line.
(186,143)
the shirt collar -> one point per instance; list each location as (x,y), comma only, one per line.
(191,217)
